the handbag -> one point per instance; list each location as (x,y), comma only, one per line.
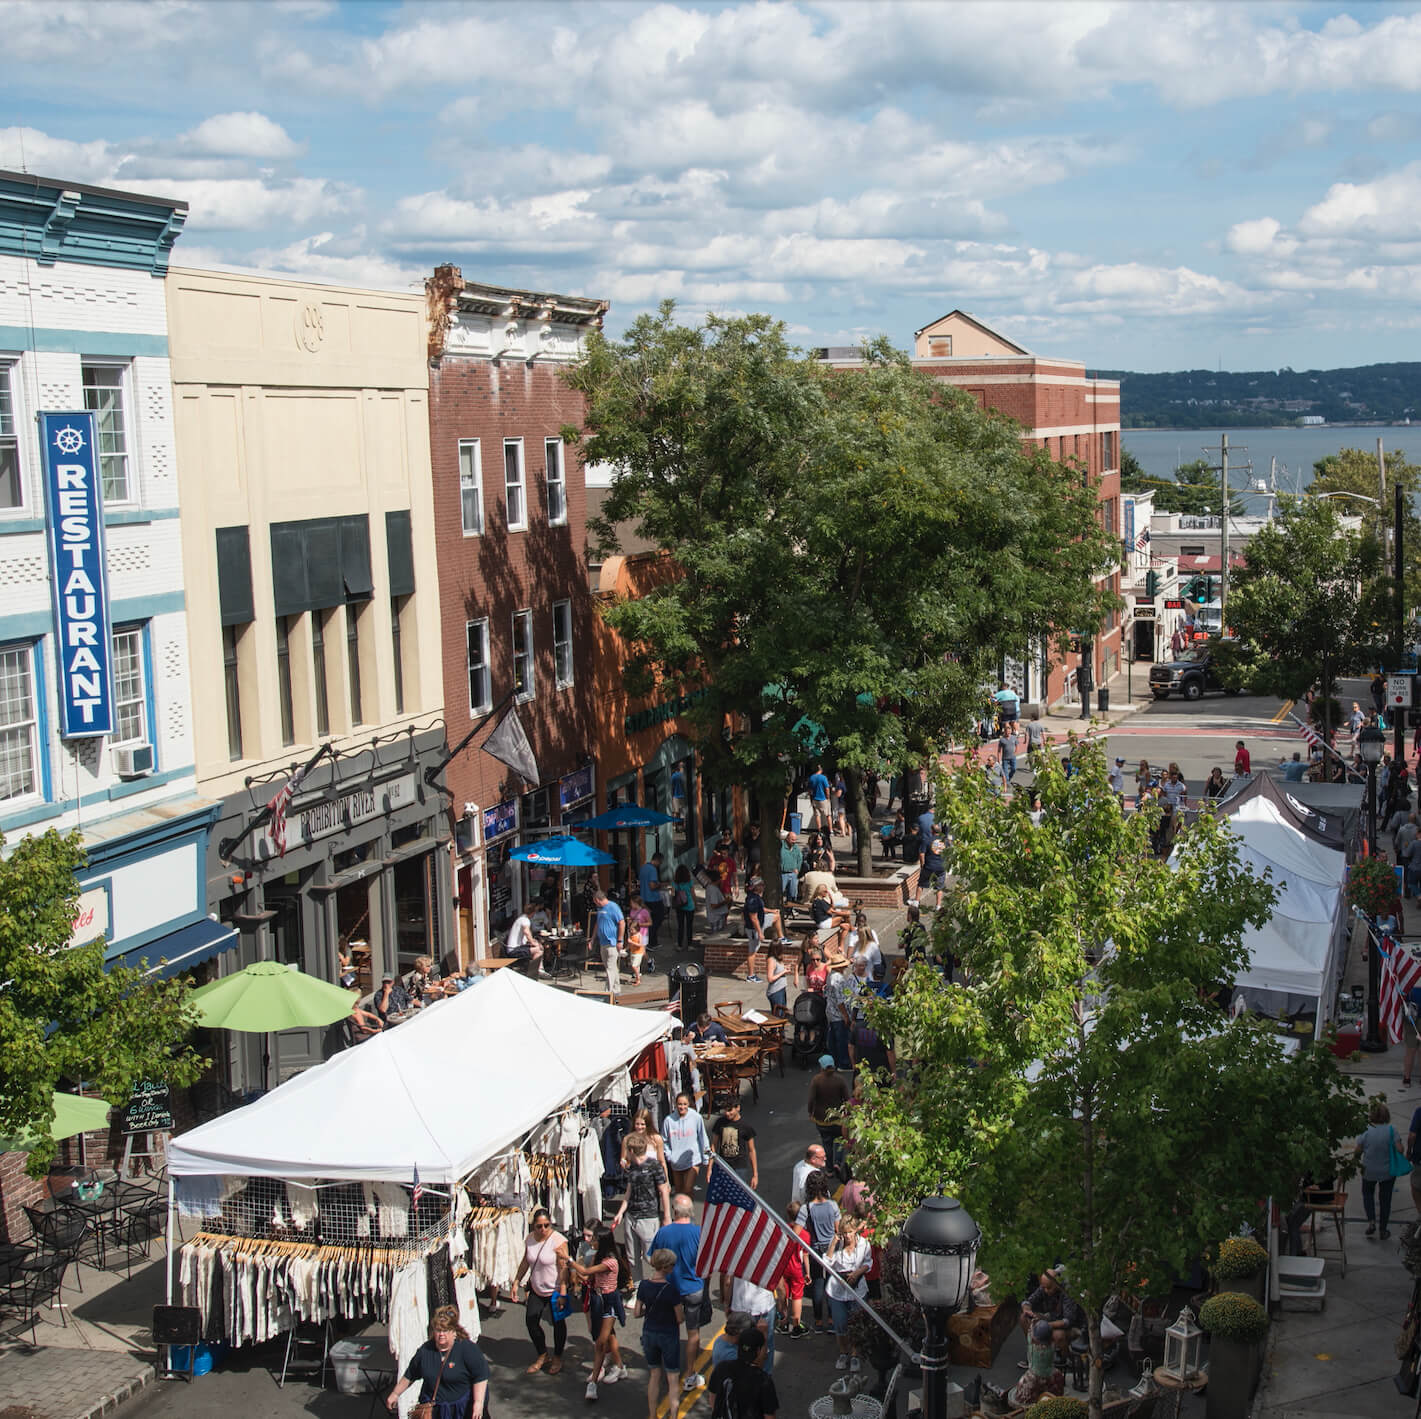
(1398,1167)
(560,1304)
(426,1411)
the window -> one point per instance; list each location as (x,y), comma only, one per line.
(12,494)
(562,643)
(104,395)
(130,690)
(513,484)
(283,680)
(471,487)
(397,605)
(557,485)
(523,655)
(1107,451)
(480,691)
(230,669)
(19,723)
(352,655)
(318,662)
(940,345)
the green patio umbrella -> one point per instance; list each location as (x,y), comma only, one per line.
(267,996)
(72,1114)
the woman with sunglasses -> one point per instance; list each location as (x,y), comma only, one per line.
(545,1262)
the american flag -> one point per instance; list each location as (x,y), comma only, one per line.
(280,802)
(1143,540)
(1400,972)
(418,1191)
(739,1237)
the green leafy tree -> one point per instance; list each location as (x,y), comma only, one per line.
(1312,603)
(854,547)
(1195,488)
(63,1017)
(1084,1095)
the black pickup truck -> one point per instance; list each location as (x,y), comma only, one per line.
(1191,676)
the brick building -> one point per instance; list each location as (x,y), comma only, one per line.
(1073,418)
(510,521)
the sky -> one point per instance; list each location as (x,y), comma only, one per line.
(1136,185)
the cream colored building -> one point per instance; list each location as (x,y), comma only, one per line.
(957,336)
(302,434)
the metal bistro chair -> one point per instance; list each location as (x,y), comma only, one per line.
(61,1233)
(308,1348)
(138,1225)
(31,1288)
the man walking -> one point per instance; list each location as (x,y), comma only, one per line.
(815,1160)
(819,799)
(647,1204)
(828,1090)
(683,1237)
(653,895)
(610,931)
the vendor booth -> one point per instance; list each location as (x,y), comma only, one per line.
(398,1174)
(1297,955)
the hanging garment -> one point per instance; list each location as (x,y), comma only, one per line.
(198,1197)
(394,1209)
(589,1177)
(466,1291)
(619,1087)
(301,1204)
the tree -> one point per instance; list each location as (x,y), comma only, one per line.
(1312,603)
(1190,491)
(63,1017)
(854,547)
(1085,1096)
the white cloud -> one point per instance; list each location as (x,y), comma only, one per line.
(241,135)
(1387,208)
(1259,237)
(252,204)
(29,150)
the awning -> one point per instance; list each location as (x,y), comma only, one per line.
(180,950)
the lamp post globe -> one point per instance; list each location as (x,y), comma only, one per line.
(1371,744)
(940,1244)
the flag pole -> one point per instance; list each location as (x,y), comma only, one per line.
(799,1241)
(228,846)
(1318,740)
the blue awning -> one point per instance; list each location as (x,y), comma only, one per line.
(180,950)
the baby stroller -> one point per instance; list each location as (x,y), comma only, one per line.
(810,1027)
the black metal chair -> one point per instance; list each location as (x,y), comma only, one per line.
(138,1224)
(33,1288)
(61,1233)
(308,1349)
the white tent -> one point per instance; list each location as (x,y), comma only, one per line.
(445,1092)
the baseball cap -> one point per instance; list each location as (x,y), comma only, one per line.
(1119,761)
(826,1061)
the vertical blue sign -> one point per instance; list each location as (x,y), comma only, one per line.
(74,501)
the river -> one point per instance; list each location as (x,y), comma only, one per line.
(1161,451)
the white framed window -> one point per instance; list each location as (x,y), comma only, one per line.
(471,487)
(557,483)
(562,643)
(523,685)
(12,487)
(130,688)
(1107,450)
(513,484)
(19,723)
(106,395)
(480,688)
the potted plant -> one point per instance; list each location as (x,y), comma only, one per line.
(1242,1265)
(1236,1324)
(1371,886)
(1057,1406)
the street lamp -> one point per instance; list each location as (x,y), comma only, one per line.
(939,1256)
(1371,744)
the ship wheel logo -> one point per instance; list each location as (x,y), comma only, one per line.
(69,440)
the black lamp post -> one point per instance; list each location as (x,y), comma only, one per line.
(940,1244)
(1371,745)
(1085,676)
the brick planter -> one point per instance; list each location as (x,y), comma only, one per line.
(892,891)
(727,957)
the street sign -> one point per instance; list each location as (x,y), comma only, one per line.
(1144,613)
(1398,691)
(1173,603)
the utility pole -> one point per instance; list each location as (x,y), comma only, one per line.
(1398,622)
(1222,468)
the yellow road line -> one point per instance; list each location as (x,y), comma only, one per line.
(1283,713)
(690,1398)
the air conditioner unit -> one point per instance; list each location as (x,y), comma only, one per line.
(133,761)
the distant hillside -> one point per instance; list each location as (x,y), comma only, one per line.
(1200,399)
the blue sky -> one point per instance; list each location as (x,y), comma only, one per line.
(1137,185)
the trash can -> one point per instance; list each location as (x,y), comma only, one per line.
(690,983)
(794,823)
(1102,697)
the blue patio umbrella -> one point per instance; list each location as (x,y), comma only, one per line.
(560,851)
(626,815)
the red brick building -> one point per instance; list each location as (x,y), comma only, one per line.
(510,521)
(1073,418)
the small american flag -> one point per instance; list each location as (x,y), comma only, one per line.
(278,805)
(418,1190)
(739,1237)
(1143,540)
(1400,972)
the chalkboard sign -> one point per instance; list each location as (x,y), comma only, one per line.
(148,1109)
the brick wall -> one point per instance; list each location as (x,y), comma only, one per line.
(500,572)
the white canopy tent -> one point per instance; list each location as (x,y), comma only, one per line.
(403,1100)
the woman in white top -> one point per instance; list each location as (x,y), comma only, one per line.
(863,943)
(545,1264)
(641,1128)
(851,1256)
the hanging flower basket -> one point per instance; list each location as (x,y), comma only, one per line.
(1371,885)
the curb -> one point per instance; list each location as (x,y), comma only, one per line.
(124,1392)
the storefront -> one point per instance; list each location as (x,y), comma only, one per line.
(366,863)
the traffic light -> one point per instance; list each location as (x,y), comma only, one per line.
(1152,584)
(1199,589)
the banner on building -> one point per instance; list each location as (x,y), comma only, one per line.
(74,500)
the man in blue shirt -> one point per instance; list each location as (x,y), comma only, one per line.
(610,932)
(683,1236)
(653,894)
(819,798)
(1295,770)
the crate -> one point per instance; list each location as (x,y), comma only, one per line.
(351,1359)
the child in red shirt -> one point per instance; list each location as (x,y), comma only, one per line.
(790,1292)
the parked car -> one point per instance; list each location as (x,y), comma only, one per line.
(1191,676)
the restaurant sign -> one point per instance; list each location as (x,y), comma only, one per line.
(149,1109)
(575,787)
(500,820)
(347,810)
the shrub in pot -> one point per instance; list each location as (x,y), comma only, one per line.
(1371,885)
(1236,1325)
(1057,1406)
(1241,1265)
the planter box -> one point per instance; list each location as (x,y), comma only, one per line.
(895,889)
(1233,1376)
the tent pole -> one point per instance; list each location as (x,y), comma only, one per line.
(168,1238)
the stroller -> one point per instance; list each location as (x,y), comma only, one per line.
(810,1027)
